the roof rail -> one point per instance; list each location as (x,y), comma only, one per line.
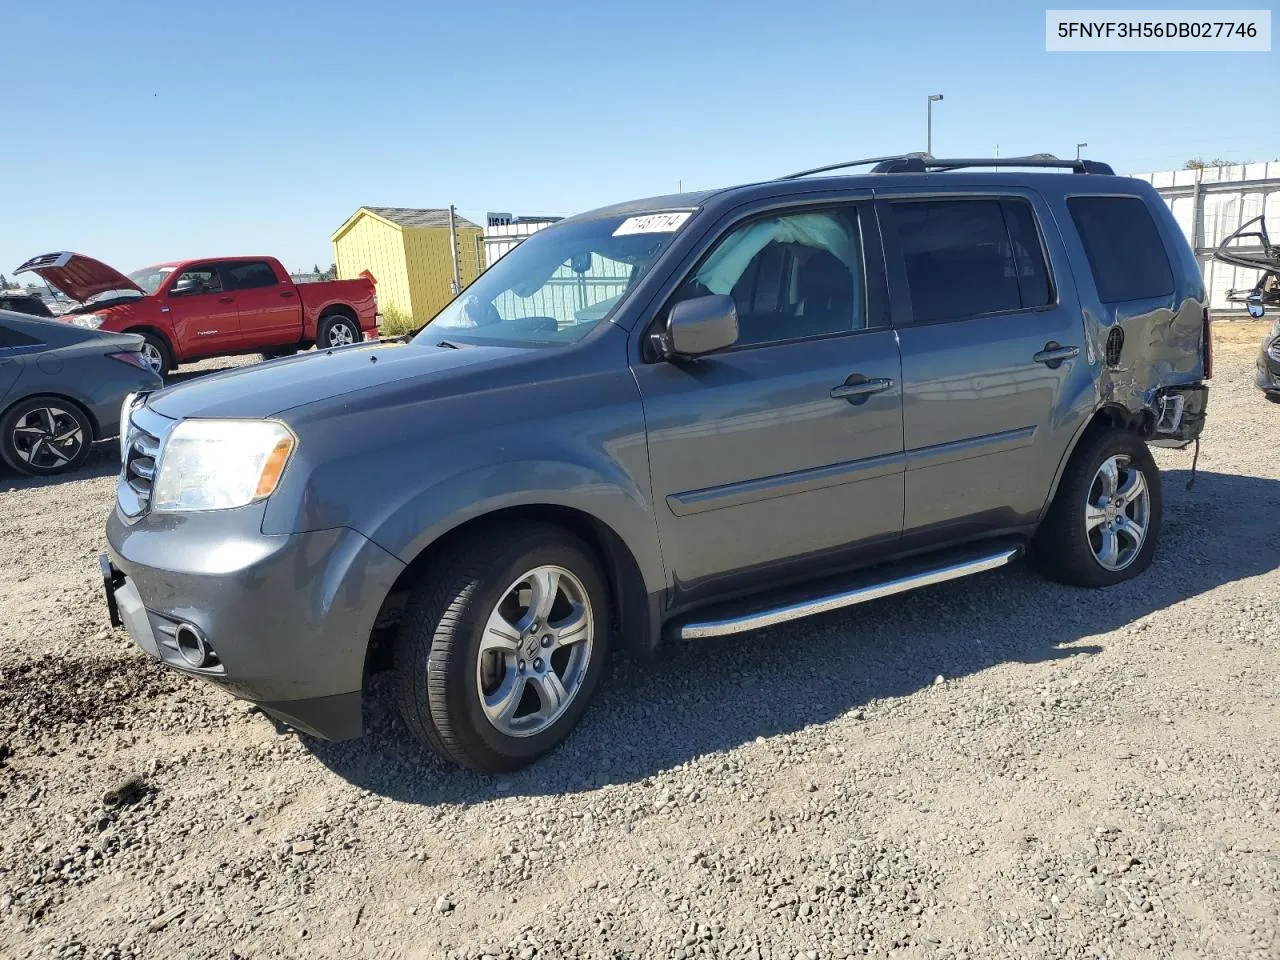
(850,163)
(923,163)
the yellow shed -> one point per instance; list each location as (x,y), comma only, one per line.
(407,251)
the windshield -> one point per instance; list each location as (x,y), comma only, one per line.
(557,285)
(150,278)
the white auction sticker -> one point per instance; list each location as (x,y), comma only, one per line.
(653,223)
(1158,30)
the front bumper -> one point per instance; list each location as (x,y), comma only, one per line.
(288,618)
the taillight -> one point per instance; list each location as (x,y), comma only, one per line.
(1208,344)
(133,358)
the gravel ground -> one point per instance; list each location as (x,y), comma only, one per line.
(997,767)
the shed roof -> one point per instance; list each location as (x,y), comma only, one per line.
(418,217)
(407,217)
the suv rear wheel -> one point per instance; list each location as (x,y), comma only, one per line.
(1104,523)
(502,647)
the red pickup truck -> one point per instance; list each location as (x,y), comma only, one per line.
(212,307)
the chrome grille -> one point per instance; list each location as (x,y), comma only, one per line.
(143,443)
(139,471)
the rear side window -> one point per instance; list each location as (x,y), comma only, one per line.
(248,276)
(966,258)
(15,338)
(1124,248)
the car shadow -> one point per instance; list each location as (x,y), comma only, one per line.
(710,697)
(103,461)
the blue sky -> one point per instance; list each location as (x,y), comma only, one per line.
(151,131)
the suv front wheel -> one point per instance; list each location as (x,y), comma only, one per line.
(502,646)
(1104,523)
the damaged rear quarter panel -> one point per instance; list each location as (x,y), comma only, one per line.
(1163,336)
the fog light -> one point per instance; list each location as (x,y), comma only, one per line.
(193,647)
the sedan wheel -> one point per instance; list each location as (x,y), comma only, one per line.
(45,436)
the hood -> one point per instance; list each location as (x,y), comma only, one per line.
(269,389)
(77,276)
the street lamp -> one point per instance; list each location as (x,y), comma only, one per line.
(1078,146)
(933,97)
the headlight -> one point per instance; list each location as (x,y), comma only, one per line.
(219,464)
(126,409)
(90,321)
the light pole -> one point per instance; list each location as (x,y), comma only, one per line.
(1078,146)
(929,134)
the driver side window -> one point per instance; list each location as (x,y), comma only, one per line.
(791,276)
(204,278)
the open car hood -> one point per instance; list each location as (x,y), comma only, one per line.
(77,276)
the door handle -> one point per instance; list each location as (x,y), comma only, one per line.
(858,388)
(1053,354)
(226,299)
(286,293)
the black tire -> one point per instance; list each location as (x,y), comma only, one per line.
(1062,550)
(437,649)
(331,325)
(158,349)
(29,446)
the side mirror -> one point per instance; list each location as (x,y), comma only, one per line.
(185,287)
(699,326)
(1255,307)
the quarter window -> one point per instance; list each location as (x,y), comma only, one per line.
(1124,248)
(791,277)
(966,258)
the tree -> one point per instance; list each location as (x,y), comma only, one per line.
(4,281)
(333,271)
(315,268)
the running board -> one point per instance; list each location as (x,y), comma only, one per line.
(771,616)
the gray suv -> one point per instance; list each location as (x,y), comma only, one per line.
(675,418)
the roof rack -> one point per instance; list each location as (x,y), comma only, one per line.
(923,163)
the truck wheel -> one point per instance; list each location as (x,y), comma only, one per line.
(158,354)
(502,647)
(44,436)
(337,330)
(1104,523)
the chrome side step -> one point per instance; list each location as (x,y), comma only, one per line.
(769,617)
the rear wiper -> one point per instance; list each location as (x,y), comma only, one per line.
(450,344)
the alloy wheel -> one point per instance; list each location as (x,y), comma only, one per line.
(341,335)
(1117,513)
(151,353)
(535,651)
(47,437)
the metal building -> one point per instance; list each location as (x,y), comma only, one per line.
(1210,204)
(413,255)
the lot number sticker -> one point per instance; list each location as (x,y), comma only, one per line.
(653,223)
